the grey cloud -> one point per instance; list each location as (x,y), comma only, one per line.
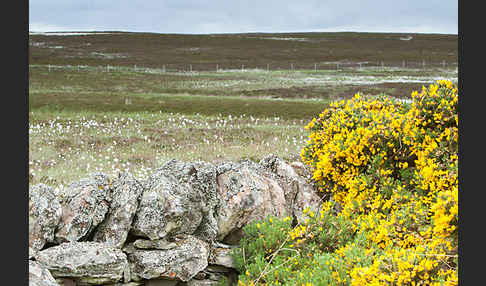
(217,16)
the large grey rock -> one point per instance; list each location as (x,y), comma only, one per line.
(299,194)
(44,216)
(86,262)
(286,177)
(180,263)
(40,275)
(84,206)
(246,195)
(170,204)
(202,178)
(118,221)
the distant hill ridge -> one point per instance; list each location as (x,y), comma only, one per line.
(252,50)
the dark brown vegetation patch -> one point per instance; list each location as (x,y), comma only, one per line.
(203,52)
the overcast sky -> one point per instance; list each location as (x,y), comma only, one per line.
(241,16)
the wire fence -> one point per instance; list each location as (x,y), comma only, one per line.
(205,67)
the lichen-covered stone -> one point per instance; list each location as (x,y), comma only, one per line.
(206,181)
(40,275)
(221,256)
(84,206)
(170,204)
(246,195)
(113,230)
(285,175)
(299,194)
(162,243)
(44,216)
(180,263)
(86,262)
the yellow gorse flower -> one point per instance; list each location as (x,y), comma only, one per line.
(393,169)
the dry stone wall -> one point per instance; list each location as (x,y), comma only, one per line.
(176,227)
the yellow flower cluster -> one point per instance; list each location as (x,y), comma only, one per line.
(393,169)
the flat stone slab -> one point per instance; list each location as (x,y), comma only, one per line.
(179,263)
(222,257)
(85,262)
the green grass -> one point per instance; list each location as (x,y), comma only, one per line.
(180,103)
(65,145)
(91,120)
(280,84)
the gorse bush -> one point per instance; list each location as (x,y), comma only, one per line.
(392,168)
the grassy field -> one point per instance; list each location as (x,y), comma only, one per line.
(73,144)
(300,84)
(87,119)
